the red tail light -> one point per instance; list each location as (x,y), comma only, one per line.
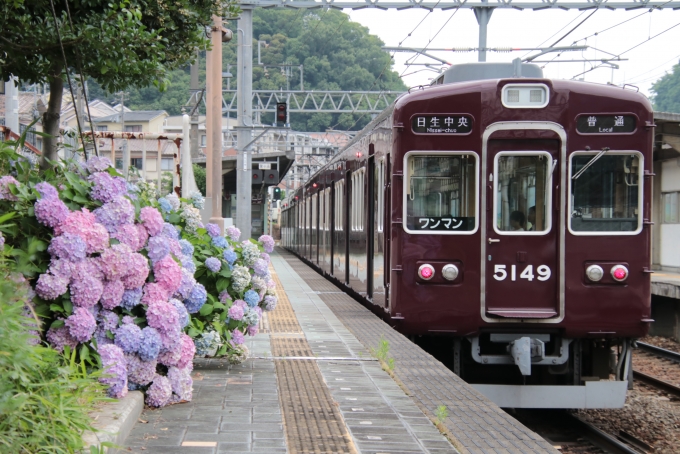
(426,272)
(619,273)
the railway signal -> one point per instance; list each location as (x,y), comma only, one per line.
(281,114)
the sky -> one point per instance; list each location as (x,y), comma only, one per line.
(521,29)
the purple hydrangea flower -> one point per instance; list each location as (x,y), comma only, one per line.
(138,271)
(181,311)
(187,284)
(269,302)
(112,294)
(2,242)
(50,211)
(105,188)
(68,246)
(170,357)
(115,370)
(61,337)
(220,241)
(50,287)
(253,330)
(164,317)
(224,296)
(86,291)
(108,320)
(128,337)
(170,231)
(261,267)
(189,265)
(187,247)
(237,337)
(61,267)
(5,193)
(230,256)
(213,230)
(157,248)
(264,256)
(181,382)
(115,213)
(46,190)
(267,242)
(140,372)
(131,298)
(187,351)
(159,393)
(252,298)
(149,344)
(96,164)
(196,299)
(115,261)
(213,264)
(233,232)
(128,234)
(168,274)
(235,312)
(152,220)
(81,324)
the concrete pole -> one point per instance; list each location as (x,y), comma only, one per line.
(12,105)
(483,15)
(215,122)
(194,118)
(188,179)
(244,122)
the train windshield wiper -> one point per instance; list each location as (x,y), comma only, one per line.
(590,163)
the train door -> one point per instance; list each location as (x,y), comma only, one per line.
(521,276)
(314,243)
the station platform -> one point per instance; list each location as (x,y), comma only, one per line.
(313,385)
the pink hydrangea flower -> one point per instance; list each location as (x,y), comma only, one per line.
(253,330)
(140,372)
(163,316)
(76,222)
(154,293)
(182,384)
(86,291)
(237,337)
(152,220)
(128,234)
(112,294)
(87,268)
(168,274)
(5,193)
(105,187)
(138,271)
(235,312)
(96,238)
(50,287)
(81,324)
(114,261)
(188,350)
(159,393)
(171,357)
(142,236)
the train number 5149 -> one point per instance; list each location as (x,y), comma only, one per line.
(501,273)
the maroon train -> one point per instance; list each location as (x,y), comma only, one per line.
(502,221)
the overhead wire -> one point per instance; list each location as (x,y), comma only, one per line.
(628,50)
(551,36)
(650,70)
(430,41)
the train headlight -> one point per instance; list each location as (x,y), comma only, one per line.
(595,273)
(426,272)
(619,273)
(450,272)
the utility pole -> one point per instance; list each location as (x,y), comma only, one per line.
(213,124)
(244,122)
(12,104)
(126,150)
(483,15)
(195,112)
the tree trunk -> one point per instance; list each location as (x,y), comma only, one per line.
(51,121)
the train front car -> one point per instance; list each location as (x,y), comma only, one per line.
(520,235)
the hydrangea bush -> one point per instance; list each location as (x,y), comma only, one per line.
(136,284)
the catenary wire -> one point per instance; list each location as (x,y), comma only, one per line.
(551,36)
(430,41)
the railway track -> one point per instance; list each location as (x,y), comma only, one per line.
(654,381)
(658,351)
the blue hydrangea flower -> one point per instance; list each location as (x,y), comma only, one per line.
(220,241)
(187,247)
(170,231)
(213,264)
(182,311)
(131,298)
(157,248)
(196,299)
(230,256)
(166,207)
(149,344)
(128,338)
(189,265)
(252,298)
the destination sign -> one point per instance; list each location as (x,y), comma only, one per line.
(605,124)
(442,124)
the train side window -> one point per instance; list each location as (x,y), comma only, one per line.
(314,210)
(441,192)
(380,192)
(523,188)
(670,207)
(358,200)
(605,192)
(339,205)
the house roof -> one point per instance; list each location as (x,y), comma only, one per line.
(137,115)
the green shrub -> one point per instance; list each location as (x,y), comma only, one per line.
(44,397)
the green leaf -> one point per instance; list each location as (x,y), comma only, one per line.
(174,218)
(222,351)
(68,307)
(56,308)
(84,353)
(226,272)
(7,216)
(80,199)
(109,334)
(218,305)
(207,309)
(193,332)
(57,324)
(222,284)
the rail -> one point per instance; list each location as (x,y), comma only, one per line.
(655,382)
(599,438)
(658,351)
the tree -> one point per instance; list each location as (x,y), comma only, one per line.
(666,92)
(119,44)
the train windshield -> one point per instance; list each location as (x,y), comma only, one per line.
(606,196)
(523,192)
(441,193)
